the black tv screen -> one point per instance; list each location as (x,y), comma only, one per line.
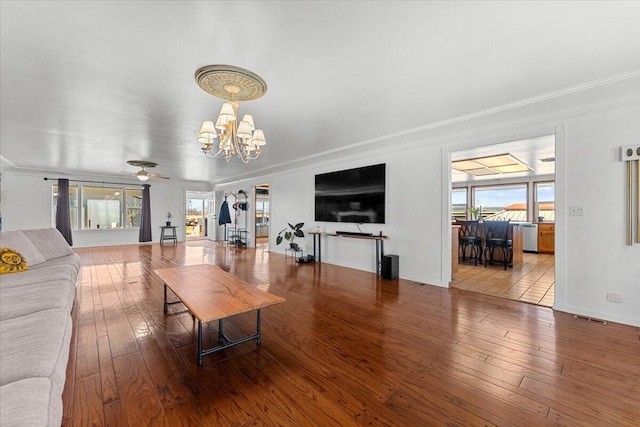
(353,195)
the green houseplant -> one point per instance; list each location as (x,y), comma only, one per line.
(169,216)
(290,234)
(476,213)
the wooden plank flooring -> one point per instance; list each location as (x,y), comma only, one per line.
(532,281)
(346,348)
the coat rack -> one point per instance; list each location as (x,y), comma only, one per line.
(240,236)
(631,157)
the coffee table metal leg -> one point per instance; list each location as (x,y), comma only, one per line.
(258,337)
(165,297)
(200,343)
(168,303)
(225,341)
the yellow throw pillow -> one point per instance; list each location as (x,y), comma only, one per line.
(12,261)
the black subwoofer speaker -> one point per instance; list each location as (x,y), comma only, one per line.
(390,267)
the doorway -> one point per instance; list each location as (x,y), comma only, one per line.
(262,216)
(515,182)
(196,214)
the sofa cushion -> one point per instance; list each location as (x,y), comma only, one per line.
(12,261)
(16,301)
(37,275)
(49,242)
(30,403)
(72,261)
(36,345)
(18,241)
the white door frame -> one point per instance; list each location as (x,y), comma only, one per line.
(560,198)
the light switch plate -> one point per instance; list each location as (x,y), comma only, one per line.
(576,210)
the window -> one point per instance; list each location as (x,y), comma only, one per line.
(545,201)
(262,211)
(502,202)
(134,206)
(195,218)
(103,208)
(459,204)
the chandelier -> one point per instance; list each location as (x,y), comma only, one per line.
(240,139)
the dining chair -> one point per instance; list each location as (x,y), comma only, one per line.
(497,238)
(468,238)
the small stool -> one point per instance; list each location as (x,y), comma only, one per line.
(164,234)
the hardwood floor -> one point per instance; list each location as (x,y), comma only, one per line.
(532,281)
(345,349)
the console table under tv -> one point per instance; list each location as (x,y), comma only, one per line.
(379,242)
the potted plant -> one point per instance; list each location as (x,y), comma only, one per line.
(290,234)
(169,216)
(476,213)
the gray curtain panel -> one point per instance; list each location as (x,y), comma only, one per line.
(63,212)
(145,219)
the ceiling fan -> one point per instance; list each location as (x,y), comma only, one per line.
(142,174)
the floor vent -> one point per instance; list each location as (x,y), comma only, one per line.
(590,319)
(418,283)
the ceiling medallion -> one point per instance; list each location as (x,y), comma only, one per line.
(240,139)
(142,163)
(230,82)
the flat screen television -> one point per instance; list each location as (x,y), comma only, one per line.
(353,195)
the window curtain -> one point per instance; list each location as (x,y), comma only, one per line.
(145,219)
(63,212)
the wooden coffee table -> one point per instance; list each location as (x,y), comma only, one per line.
(211,293)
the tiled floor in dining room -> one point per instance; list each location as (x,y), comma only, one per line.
(531,282)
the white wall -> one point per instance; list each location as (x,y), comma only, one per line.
(597,259)
(591,255)
(28,205)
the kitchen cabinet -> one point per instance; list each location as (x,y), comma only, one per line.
(546,238)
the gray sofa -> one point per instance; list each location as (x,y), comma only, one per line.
(35,328)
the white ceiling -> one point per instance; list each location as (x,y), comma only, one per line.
(86,86)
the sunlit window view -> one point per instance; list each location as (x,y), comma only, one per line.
(545,201)
(196,213)
(502,202)
(459,204)
(134,207)
(101,208)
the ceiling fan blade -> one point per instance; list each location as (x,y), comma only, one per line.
(155,175)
